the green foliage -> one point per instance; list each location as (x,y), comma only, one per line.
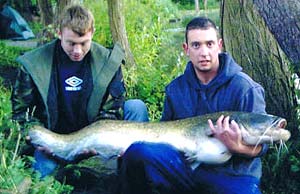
(47,34)
(211,14)
(15,176)
(295,164)
(99,9)
(281,170)
(8,54)
(190,4)
(35,27)
(149,39)
(146,23)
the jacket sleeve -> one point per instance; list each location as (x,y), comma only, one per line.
(253,100)
(113,101)
(23,98)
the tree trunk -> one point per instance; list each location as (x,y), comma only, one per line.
(47,18)
(205,5)
(61,5)
(254,46)
(46,11)
(197,9)
(26,5)
(51,16)
(23,7)
(118,29)
(283,20)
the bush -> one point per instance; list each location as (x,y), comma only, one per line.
(146,23)
(8,54)
(190,4)
(15,176)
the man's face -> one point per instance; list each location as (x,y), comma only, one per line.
(203,48)
(75,46)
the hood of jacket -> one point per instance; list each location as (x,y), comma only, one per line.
(228,68)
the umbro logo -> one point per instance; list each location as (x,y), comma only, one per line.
(74,84)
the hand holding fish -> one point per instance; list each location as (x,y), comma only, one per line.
(85,153)
(230,134)
(40,148)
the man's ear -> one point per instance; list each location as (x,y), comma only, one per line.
(59,34)
(185,48)
(220,43)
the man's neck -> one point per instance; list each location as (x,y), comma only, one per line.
(206,77)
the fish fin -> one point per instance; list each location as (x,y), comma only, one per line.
(195,164)
(192,160)
(190,157)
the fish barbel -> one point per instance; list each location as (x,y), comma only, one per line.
(191,135)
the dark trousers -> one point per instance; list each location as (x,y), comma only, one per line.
(160,168)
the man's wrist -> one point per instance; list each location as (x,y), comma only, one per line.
(250,150)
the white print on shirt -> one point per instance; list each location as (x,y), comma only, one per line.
(74,84)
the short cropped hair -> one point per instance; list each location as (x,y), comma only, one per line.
(200,23)
(78,19)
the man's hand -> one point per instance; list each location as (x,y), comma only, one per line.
(84,154)
(40,148)
(230,134)
(90,152)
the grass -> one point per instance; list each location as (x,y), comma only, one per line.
(8,54)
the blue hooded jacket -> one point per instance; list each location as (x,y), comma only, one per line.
(230,90)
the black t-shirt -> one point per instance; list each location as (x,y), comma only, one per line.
(71,98)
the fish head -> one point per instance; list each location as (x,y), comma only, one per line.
(262,128)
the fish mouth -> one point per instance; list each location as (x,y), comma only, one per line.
(274,133)
(280,132)
(282,123)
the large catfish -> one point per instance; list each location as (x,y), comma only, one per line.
(192,136)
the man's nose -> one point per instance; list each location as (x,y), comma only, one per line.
(77,48)
(203,51)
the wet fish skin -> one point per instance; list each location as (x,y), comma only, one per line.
(192,136)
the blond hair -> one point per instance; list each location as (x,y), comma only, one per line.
(78,19)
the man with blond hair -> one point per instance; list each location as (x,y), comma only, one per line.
(71,82)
